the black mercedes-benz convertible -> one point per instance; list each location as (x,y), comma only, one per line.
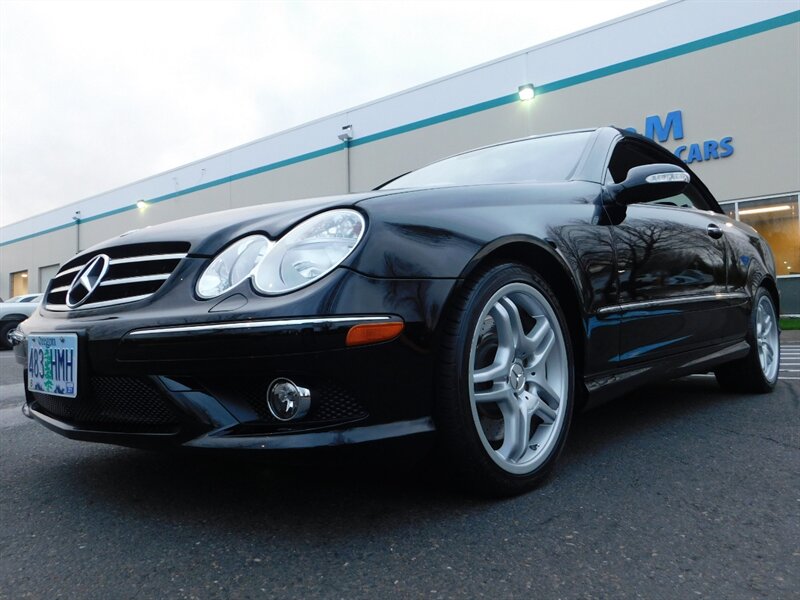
(477,302)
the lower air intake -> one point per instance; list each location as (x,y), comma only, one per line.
(112,400)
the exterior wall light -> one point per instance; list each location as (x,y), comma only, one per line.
(141,204)
(347,133)
(526,92)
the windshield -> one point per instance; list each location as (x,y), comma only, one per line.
(549,158)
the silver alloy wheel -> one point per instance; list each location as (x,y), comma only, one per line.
(767,338)
(518,378)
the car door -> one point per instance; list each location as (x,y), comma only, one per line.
(671,268)
(586,244)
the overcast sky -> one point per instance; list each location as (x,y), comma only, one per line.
(95,95)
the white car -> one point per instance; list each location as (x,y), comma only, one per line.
(13,311)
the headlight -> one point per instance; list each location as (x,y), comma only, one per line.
(309,251)
(232,266)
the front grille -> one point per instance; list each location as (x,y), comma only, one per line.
(135,272)
(111,400)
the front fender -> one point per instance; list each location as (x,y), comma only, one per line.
(440,233)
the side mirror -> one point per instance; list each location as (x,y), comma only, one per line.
(649,182)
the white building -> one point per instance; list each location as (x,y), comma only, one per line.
(716,82)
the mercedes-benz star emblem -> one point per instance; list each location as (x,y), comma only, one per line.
(87,280)
(516,377)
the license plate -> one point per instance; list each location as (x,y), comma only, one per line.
(53,364)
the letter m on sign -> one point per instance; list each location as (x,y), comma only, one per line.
(654,128)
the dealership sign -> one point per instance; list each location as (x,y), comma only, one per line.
(672,126)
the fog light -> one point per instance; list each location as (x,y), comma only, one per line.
(287,401)
(15,337)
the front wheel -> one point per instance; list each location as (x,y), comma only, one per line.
(507,381)
(758,371)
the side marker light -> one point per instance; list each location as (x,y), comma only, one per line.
(372,333)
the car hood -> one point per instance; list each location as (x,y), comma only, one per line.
(208,233)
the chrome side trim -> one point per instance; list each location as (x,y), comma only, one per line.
(146,257)
(139,279)
(246,325)
(670,301)
(88,305)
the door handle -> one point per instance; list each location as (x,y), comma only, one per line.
(714,231)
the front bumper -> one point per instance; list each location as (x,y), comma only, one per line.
(153,379)
(227,437)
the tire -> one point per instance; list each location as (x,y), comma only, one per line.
(506,384)
(5,328)
(758,371)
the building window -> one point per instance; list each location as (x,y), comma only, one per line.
(46,274)
(778,221)
(19,283)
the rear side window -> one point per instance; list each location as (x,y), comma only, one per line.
(690,198)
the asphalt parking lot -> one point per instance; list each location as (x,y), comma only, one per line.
(675,491)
